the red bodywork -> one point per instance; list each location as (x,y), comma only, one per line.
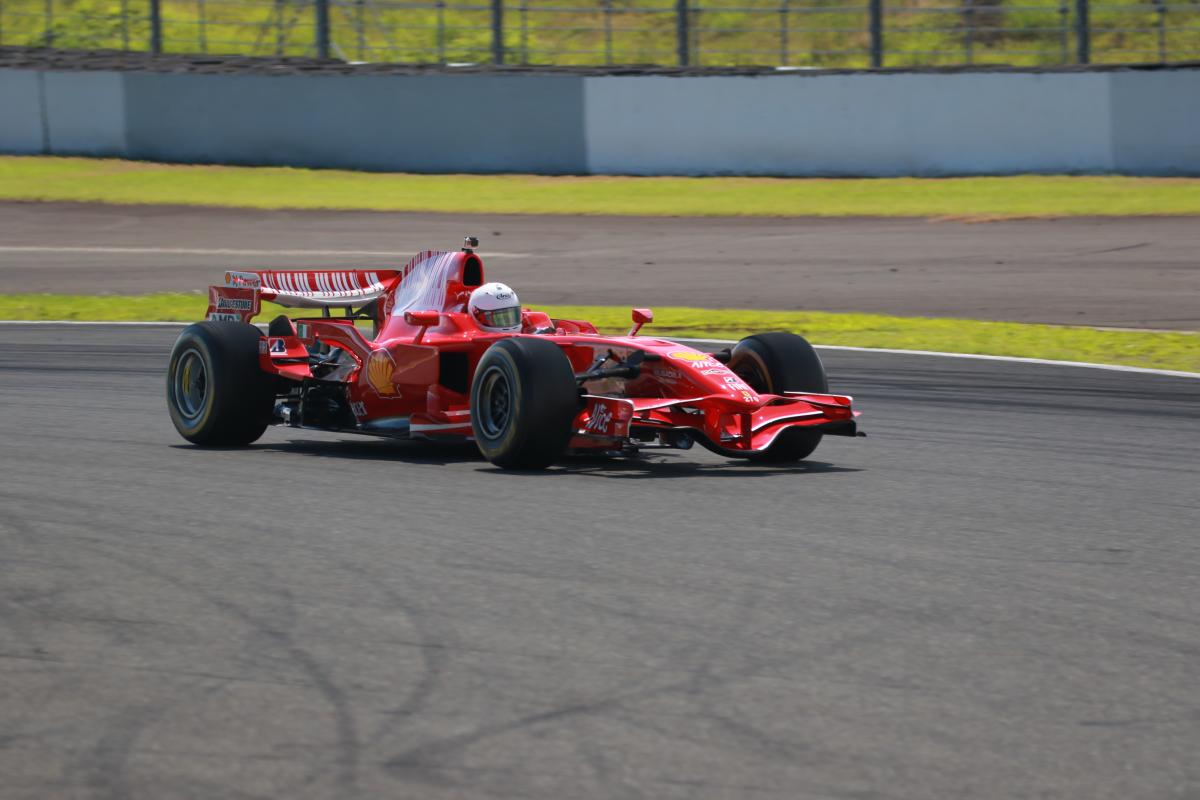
(410,375)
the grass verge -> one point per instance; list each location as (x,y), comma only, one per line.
(1174,351)
(128,182)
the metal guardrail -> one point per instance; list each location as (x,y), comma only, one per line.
(794,34)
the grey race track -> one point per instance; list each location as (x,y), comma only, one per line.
(1139,272)
(995,595)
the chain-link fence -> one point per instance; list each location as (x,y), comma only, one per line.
(781,33)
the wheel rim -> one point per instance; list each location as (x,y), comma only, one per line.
(494,403)
(190,385)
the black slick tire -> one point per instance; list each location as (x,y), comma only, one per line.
(776,363)
(217,394)
(524,399)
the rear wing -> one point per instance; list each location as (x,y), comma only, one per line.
(240,298)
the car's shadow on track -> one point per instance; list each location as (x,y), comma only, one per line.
(372,449)
(679,465)
(646,465)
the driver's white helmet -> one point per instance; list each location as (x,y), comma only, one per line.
(495,307)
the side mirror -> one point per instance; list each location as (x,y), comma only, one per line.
(640,317)
(422,319)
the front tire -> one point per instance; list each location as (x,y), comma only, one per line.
(217,394)
(524,399)
(774,363)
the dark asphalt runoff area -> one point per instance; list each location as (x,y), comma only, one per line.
(994,595)
(1121,272)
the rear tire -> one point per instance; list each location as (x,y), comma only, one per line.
(775,363)
(524,399)
(217,393)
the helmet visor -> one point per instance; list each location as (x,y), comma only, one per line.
(500,318)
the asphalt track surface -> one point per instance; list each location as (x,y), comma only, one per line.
(1122,272)
(995,595)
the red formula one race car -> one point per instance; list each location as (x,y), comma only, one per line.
(432,351)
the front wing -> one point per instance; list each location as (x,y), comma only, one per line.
(715,421)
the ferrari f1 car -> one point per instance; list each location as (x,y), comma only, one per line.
(408,355)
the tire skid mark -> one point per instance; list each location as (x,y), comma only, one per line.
(107,764)
(415,761)
(346,732)
(421,762)
(733,732)
(682,734)
(433,658)
(23,625)
(749,737)
(347,763)
(104,767)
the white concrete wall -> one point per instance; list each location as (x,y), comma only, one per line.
(868,124)
(1156,122)
(21,113)
(85,113)
(428,123)
(1137,121)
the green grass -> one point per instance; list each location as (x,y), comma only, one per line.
(819,33)
(1175,351)
(165,307)
(114,181)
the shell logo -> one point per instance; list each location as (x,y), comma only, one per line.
(380,367)
(684,355)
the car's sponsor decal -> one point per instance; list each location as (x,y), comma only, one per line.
(234,303)
(379,373)
(701,361)
(708,365)
(243,279)
(736,384)
(667,376)
(278,346)
(358,409)
(608,417)
(601,421)
(215,317)
(262,346)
